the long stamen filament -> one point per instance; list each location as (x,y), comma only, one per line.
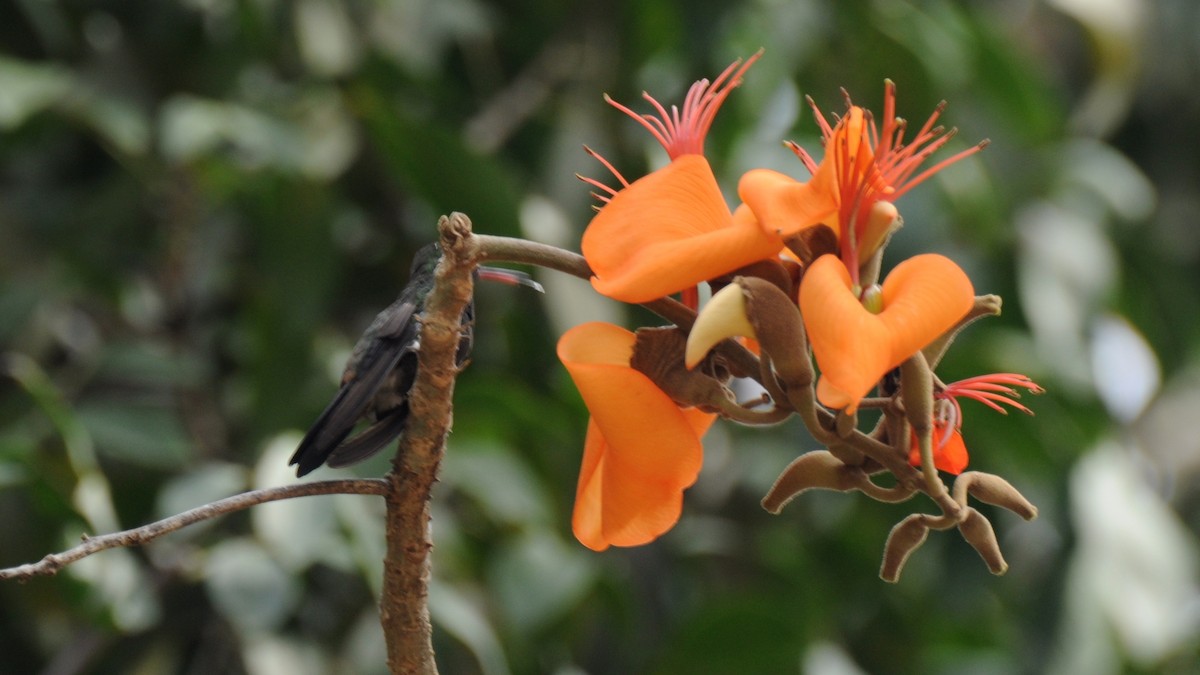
(876,164)
(681,130)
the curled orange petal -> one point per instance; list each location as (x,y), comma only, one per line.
(923,297)
(668,231)
(642,450)
(851,345)
(949,451)
(587,519)
(784,206)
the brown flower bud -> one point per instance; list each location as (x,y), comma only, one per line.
(658,354)
(978,532)
(812,243)
(777,272)
(780,329)
(991,489)
(759,309)
(812,470)
(906,537)
(985,305)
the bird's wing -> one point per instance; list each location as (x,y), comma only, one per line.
(386,342)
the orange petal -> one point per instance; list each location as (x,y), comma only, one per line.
(785,206)
(852,130)
(851,345)
(587,519)
(668,231)
(641,451)
(923,297)
(835,398)
(950,457)
(854,158)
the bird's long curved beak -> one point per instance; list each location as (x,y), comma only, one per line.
(510,277)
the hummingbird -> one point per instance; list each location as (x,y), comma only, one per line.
(381,370)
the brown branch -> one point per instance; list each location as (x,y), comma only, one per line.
(404,607)
(486,247)
(54,562)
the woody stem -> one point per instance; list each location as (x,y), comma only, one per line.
(491,248)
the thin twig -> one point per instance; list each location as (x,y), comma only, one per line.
(492,248)
(54,562)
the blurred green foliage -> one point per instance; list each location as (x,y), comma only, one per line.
(203,202)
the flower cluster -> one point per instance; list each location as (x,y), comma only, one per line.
(794,269)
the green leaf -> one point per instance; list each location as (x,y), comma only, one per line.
(502,484)
(143,434)
(248,587)
(537,579)
(454,612)
(435,163)
(26,89)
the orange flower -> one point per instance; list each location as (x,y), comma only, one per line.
(672,229)
(921,299)
(995,391)
(641,451)
(852,189)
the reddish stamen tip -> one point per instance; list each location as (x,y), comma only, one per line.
(681,131)
(807,159)
(611,192)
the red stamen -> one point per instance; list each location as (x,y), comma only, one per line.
(1013,379)
(872,129)
(682,131)
(690,297)
(600,186)
(807,159)
(659,136)
(609,192)
(995,390)
(608,165)
(889,118)
(939,166)
(884,168)
(663,122)
(826,130)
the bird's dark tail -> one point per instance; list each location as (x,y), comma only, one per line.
(370,440)
(321,440)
